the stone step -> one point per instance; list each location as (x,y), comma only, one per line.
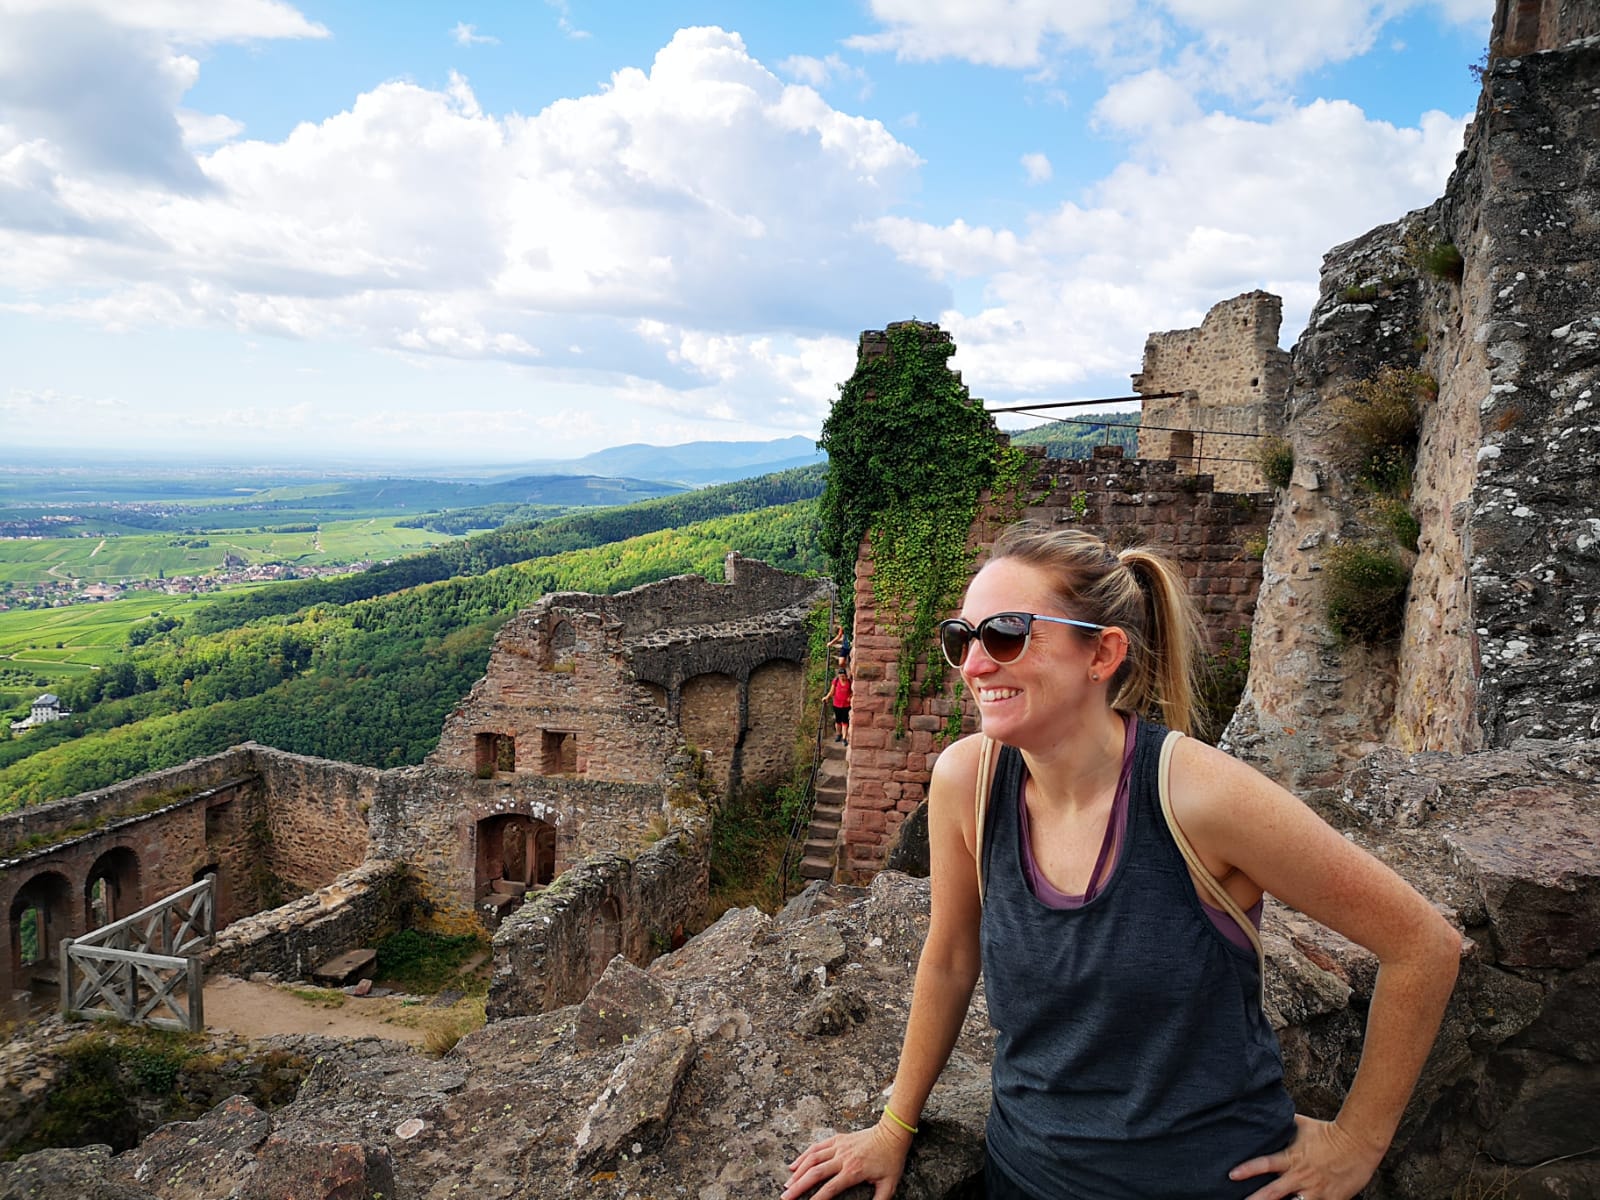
(829,798)
(825,827)
(818,848)
(816,868)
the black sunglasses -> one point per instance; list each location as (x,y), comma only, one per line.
(1004,635)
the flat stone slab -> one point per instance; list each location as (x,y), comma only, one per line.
(347,966)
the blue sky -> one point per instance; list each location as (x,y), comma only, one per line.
(497,231)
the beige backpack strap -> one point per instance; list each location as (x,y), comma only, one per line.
(1216,893)
(981,806)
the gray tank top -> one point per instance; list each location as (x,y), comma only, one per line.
(1132,1058)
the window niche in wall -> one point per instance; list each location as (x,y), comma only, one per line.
(494,752)
(558,752)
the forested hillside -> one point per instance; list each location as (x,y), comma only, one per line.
(519,543)
(1077,435)
(369,678)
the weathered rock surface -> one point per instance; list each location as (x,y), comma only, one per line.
(1502,628)
(704,1074)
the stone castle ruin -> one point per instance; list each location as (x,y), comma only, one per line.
(1464,752)
(570,750)
(1160,500)
(1229,378)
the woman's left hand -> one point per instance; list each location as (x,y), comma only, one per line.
(1324,1162)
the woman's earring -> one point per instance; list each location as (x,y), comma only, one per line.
(1095,676)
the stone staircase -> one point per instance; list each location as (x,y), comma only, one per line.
(827,815)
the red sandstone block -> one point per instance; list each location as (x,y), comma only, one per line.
(876,820)
(867,739)
(908,806)
(928,724)
(893,790)
(860,837)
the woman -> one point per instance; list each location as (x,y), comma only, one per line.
(839,696)
(1132,1058)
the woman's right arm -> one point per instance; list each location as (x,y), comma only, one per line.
(946,974)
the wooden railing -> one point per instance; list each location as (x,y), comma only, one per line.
(144,969)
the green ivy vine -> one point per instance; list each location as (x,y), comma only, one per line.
(909,452)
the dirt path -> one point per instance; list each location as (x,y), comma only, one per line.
(260,1010)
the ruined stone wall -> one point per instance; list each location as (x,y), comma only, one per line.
(90,809)
(147,838)
(749,589)
(316,815)
(772,718)
(540,697)
(1232,375)
(359,908)
(607,687)
(1213,536)
(551,951)
(429,818)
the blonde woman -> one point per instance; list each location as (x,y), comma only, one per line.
(1132,1057)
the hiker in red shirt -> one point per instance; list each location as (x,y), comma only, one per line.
(841,707)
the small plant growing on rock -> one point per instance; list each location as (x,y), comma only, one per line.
(1381,422)
(1443,260)
(1276,456)
(1365,591)
(1396,516)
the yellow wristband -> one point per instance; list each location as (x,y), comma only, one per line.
(889,1112)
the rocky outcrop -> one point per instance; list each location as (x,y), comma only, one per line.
(706,1073)
(1491,294)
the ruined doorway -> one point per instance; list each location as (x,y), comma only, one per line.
(515,854)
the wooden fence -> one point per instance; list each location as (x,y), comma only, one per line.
(145,968)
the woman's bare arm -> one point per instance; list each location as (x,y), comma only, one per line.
(1237,818)
(946,974)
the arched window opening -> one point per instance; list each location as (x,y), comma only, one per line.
(112,889)
(99,903)
(34,936)
(41,915)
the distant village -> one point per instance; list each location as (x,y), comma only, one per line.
(58,593)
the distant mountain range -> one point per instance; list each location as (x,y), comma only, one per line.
(693,464)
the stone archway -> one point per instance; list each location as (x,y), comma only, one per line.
(112,890)
(41,915)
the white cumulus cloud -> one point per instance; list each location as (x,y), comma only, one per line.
(1037,168)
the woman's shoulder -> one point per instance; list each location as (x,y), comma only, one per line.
(957,764)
